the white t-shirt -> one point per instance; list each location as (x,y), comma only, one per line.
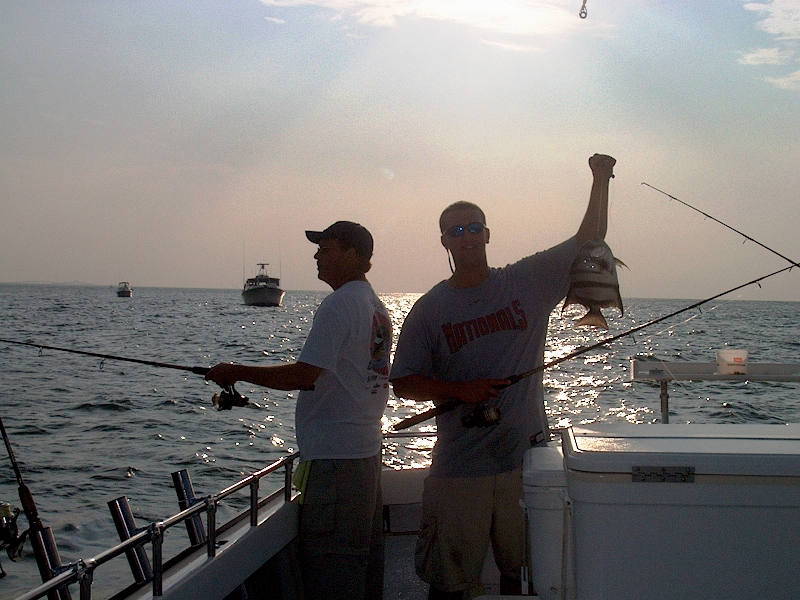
(351,339)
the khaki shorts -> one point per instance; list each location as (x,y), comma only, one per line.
(460,516)
(342,507)
(341,530)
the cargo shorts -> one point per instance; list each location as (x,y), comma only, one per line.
(460,516)
(341,530)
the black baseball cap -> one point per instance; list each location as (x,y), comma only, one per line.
(349,234)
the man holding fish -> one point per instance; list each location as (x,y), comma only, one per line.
(459,342)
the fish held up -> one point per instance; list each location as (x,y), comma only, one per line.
(593,282)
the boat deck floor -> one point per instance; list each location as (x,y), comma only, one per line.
(400,579)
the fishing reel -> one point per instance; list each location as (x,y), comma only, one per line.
(484,415)
(228,398)
(10,539)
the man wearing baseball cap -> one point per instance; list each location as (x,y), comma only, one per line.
(343,375)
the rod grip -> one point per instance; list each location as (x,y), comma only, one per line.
(427,414)
(29,507)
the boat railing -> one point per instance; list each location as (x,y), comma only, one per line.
(662,372)
(82,571)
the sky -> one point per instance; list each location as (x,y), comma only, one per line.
(177,143)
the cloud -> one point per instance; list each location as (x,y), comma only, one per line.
(512,47)
(767,56)
(515,17)
(275,20)
(791,82)
(782,20)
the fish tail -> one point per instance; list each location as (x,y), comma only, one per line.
(594,318)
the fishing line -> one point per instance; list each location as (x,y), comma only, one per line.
(705,214)
(690,318)
(449,405)
(223,401)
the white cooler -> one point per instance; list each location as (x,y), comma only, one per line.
(545,485)
(685,511)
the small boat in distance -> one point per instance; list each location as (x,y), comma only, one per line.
(124,289)
(262,290)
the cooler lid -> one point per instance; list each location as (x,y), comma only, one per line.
(767,450)
(543,466)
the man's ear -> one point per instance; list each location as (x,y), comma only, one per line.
(444,240)
(486,229)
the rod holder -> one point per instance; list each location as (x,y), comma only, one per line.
(186,499)
(126,528)
(44,548)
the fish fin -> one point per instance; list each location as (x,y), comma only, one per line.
(621,264)
(569,300)
(594,318)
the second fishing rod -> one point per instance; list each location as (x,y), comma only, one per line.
(479,417)
(716,220)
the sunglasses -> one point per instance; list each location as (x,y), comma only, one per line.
(458,230)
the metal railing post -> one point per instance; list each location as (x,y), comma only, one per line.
(157,533)
(212,527)
(287,483)
(254,502)
(85,579)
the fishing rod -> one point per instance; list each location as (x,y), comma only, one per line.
(454,402)
(705,214)
(225,400)
(42,540)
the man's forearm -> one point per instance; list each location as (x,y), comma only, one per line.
(422,388)
(291,376)
(595,221)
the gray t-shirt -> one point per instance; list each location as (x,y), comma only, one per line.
(494,330)
(351,339)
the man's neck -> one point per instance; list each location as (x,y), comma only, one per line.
(465,278)
(352,277)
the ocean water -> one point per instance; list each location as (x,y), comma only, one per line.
(86,430)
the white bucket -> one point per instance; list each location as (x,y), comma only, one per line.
(732,362)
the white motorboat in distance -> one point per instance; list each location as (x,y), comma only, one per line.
(124,289)
(262,290)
